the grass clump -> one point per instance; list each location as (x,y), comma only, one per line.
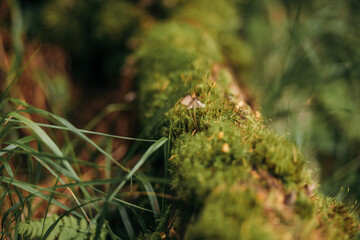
(42,175)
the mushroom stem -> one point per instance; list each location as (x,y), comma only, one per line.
(195,118)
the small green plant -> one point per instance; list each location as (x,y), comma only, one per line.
(67,228)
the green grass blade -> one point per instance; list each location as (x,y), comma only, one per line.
(131,205)
(26,150)
(43,137)
(101,220)
(44,161)
(25,186)
(7,149)
(48,231)
(155,146)
(13,208)
(11,146)
(152,197)
(140,220)
(166,157)
(127,223)
(114,107)
(90,183)
(84,137)
(47,207)
(7,166)
(48,141)
(39,132)
(87,132)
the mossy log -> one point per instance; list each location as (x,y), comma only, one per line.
(235,178)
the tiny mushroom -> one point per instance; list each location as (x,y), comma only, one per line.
(221,135)
(191,102)
(225,148)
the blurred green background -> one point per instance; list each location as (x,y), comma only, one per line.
(305,72)
(306,77)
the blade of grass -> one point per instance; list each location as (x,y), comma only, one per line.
(24,149)
(127,223)
(114,107)
(44,138)
(101,220)
(151,195)
(20,197)
(47,207)
(140,220)
(7,166)
(11,147)
(109,145)
(110,232)
(166,157)
(155,146)
(45,161)
(48,231)
(13,208)
(83,184)
(41,133)
(50,143)
(87,132)
(3,193)
(25,186)
(90,183)
(14,211)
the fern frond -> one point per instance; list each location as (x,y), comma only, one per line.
(67,228)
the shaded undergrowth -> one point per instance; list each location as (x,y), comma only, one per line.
(41,175)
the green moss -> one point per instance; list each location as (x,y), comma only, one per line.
(200,160)
(335,219)
(174,53)
(174,47)
(162,228)
(226,216)
(234,177)
(304,207)
(233,214)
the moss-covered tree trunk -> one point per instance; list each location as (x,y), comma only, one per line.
(235,178)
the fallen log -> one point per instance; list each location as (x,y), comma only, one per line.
(235,178)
